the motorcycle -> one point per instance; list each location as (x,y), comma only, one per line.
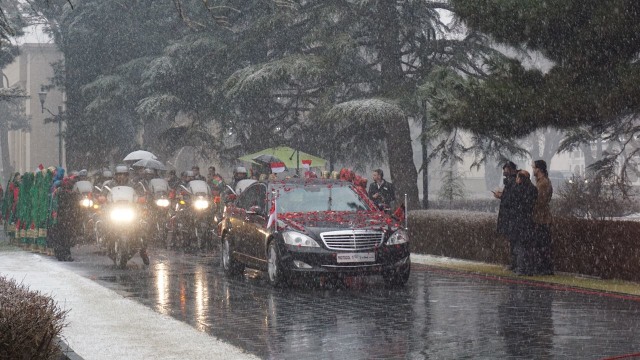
(120,229)
(193,217)
(159,210)
(88,209)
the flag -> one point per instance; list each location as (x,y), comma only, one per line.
(277,167)
(273,213)
(306,164)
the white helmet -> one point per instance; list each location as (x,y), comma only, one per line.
(122,169)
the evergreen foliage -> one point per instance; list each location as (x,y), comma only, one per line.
(590,91)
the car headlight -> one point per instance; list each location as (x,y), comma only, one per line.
(298,239)
(201,204)
(162,202)
(86,202)
(398,237)
(123,214)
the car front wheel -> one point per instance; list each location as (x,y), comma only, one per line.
(277,274)
(398,277)
(230,265)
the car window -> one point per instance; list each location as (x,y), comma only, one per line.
(244,199)
(252,196)
(319,197)
(261,199)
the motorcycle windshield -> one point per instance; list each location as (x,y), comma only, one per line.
(121,194)
(83,187)
(159,185)
(198,187)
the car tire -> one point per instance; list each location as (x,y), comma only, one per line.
(277,275)
(121,256)
(144,256)
(398,277)
(231,266)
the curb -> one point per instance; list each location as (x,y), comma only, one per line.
(67,352)
(626,289)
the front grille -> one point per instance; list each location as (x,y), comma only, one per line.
(352,239)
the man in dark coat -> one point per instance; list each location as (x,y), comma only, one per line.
(381,192)
(508,208)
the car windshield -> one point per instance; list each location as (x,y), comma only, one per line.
(319,197)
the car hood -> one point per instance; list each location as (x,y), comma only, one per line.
(316,222)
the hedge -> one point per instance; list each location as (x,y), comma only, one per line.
(605,249)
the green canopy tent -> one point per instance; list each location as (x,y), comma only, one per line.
(292,158)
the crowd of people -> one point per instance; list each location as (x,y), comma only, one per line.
(36,207)
(39,209)
(524,218)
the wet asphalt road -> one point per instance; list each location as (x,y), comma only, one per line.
(439,314)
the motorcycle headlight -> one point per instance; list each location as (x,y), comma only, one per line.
(86,203)
(123,215)
(398,237)
(162,202)
(298,239)
(201,204)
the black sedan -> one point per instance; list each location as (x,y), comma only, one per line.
(311,227)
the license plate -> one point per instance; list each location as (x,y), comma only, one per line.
(356,257)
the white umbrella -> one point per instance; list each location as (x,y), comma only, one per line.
(150,164)
(139,155)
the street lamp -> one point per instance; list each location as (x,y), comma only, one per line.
(58,118)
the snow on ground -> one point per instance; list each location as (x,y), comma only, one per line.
(104,325)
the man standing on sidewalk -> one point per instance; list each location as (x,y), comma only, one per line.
(543,259)
(508,209)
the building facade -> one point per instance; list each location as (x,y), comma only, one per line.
(39,143)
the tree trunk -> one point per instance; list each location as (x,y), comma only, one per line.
(425,161)
(400,154)
(7,169)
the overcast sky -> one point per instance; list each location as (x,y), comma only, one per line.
(33,34)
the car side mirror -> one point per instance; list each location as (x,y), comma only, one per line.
(256,209)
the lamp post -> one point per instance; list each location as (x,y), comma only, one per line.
(58,118)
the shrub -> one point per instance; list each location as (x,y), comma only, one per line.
(457,234)
(484,205)
(603,248)
(29,323)
(592,199)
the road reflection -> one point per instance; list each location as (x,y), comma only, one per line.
(526,322)
(435,316)
(162,289)
(201,297)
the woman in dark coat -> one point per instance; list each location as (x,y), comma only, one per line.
(65,223)
(525,194)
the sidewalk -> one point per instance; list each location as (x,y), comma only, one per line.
(103,324)
(560,279)
(120,328)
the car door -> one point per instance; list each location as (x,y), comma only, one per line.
(256,221)
(238,223)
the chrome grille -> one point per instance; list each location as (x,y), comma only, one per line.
(352,239)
